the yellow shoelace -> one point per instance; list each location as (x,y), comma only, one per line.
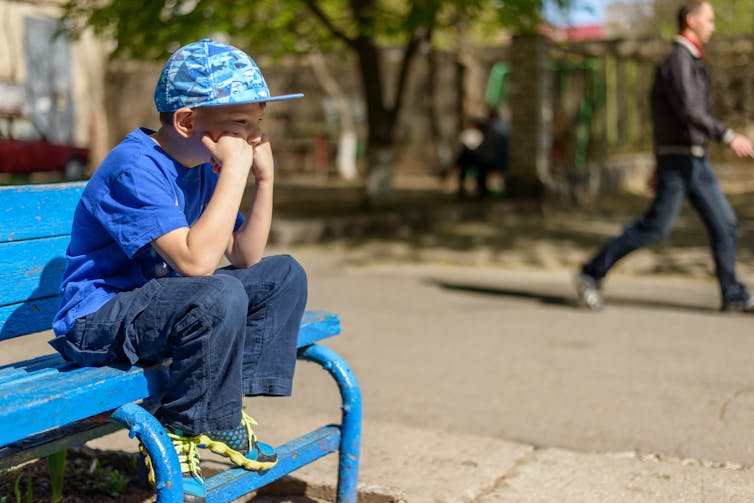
(188,454)
(188,457)
(238,458)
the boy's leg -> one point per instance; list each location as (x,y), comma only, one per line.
(198,322)
(204,331)
(276,288)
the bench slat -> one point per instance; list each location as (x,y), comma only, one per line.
(18,370)
(27,317)
(40,446)
(234,483)
(36,408)
(32,211)
(31,269)
(317,325)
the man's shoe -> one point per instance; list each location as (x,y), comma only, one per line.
(241,446)
(186,446)
(588,291)
(738,306)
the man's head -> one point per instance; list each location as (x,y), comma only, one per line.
(696,20)
(211,74)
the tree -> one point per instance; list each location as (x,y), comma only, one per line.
(732,17)
(152,29)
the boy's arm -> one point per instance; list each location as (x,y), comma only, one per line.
(247,245)
(197,250)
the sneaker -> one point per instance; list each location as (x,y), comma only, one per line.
(588,291)
(186,446)
(738,306)
(241,446)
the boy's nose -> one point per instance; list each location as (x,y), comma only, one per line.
(254,137)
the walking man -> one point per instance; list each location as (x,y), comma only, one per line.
(683,127)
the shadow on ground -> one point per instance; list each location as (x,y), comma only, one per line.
(548,298)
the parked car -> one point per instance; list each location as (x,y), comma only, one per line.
(24,149)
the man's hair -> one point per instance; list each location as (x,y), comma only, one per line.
(686,8)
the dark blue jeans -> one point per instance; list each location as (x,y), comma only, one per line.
(679,177)
(228,335)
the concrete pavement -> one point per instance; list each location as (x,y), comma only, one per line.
(484,383)
(649,400)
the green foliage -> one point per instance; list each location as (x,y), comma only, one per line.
(152,29)
(17,488)
(110,482)
(56,463)
(732,17)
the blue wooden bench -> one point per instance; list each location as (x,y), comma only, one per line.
(48,404)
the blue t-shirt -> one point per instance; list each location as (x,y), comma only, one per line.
(137,194)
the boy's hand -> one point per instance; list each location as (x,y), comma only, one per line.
(229,152)
(264,164)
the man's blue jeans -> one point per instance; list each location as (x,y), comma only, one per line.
(678,177)
(229,335)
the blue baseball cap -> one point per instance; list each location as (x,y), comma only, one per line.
(211,74)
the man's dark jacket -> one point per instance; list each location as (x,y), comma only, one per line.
(683,123)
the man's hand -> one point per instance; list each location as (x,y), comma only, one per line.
(652,181)
(742,146)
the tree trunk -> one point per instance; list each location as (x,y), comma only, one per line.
(378,186)
(380,148)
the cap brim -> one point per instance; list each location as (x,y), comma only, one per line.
(225,102)
(284,97)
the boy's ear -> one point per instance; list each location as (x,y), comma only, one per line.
(183,121)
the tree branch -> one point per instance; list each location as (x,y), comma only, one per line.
(327,22)
(417,37)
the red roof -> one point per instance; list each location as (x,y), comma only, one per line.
(575,33)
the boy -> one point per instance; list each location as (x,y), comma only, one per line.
(152,225)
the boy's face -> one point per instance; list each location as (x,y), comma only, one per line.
(243,121)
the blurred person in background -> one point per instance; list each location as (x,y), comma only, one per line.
(683,127)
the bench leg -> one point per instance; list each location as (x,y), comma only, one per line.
(350,440)
(143,425)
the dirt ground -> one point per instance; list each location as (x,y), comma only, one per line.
(100,476)
(90,476)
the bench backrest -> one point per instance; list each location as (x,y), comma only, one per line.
(35,228)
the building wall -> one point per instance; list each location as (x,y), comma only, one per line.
(87,60)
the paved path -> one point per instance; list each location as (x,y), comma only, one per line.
(484,383)
(652,396)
